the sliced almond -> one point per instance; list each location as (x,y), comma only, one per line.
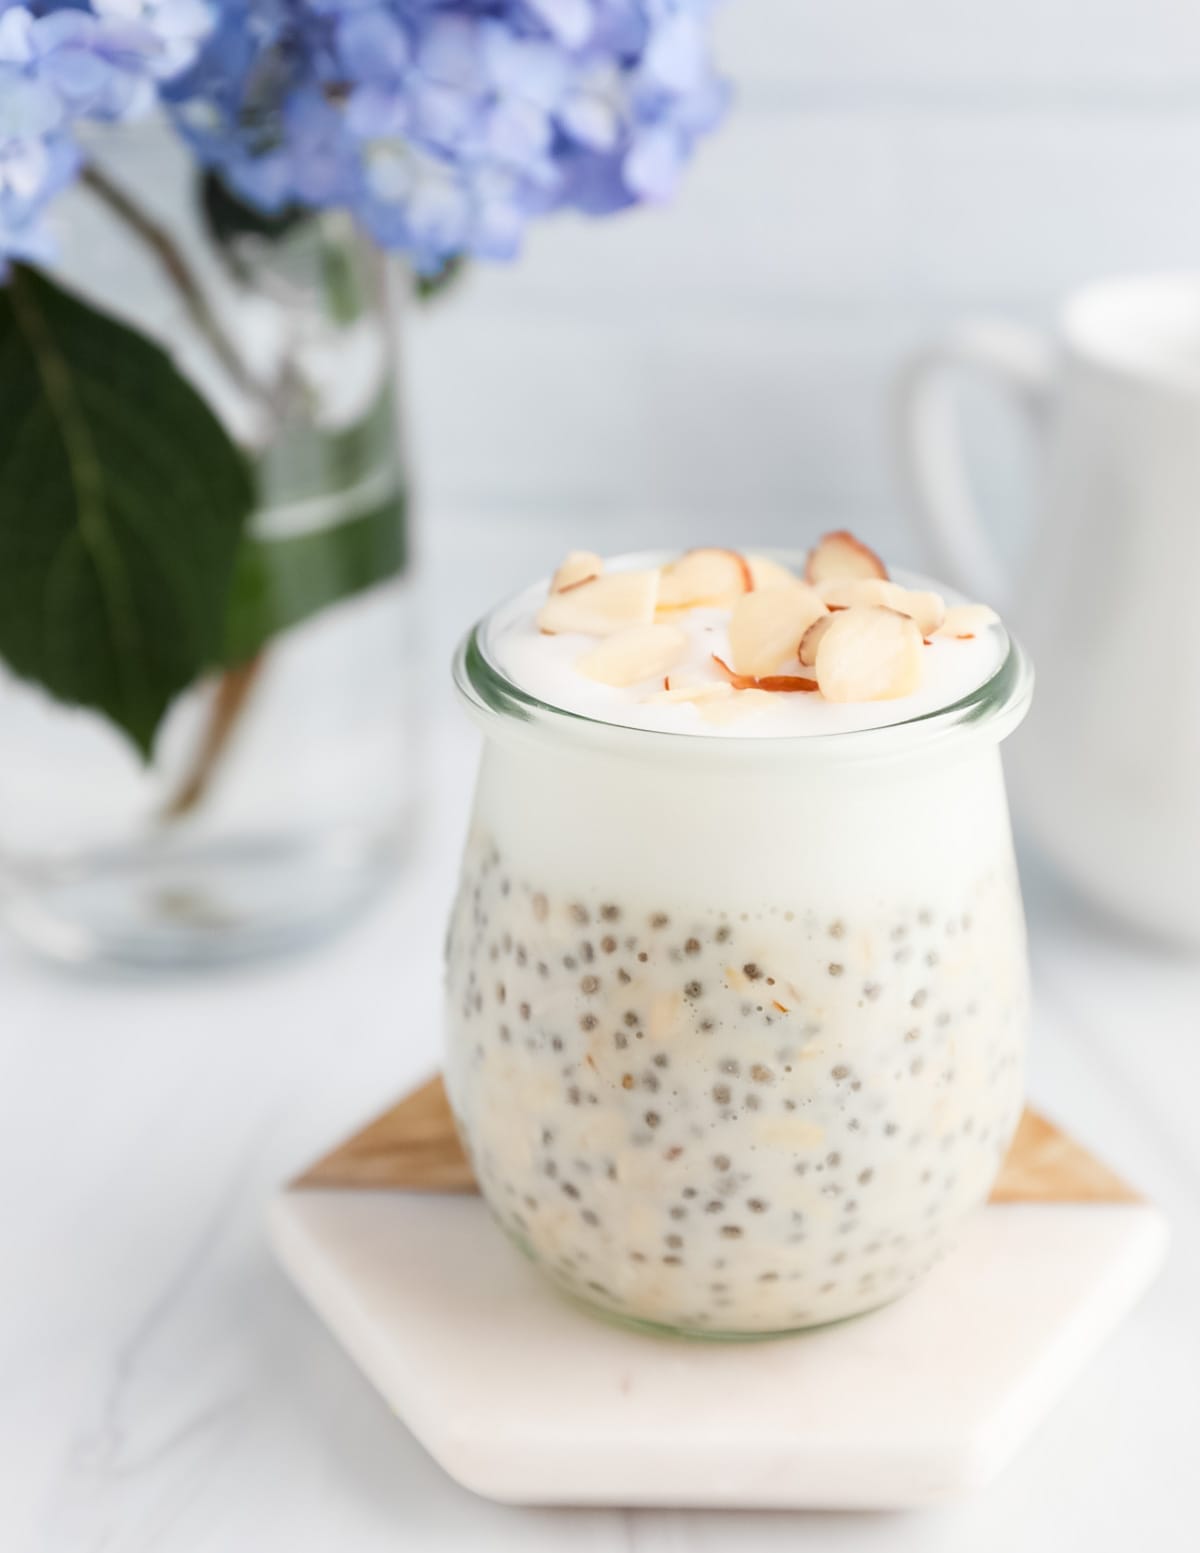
(765,628)
(811,638)
(736,706)
(641,652)
(738,681)
(579,566)
(704,577)
(928,610)
(765,573)
(862,593)
(841,555)
(869,654)
(965,620)
(688,679)
(785,683)
(704,691)
(772,682)
(599,606)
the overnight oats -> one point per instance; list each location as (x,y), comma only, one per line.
(737,980)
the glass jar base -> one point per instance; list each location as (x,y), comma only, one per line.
(713,1335)
(649,1328)
(159,907)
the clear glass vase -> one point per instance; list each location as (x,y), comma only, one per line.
(278,792)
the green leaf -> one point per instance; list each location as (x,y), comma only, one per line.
(280,582)
(122,502)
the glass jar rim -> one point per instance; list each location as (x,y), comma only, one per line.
(995,706)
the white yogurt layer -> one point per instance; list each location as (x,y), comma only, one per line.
(544,666)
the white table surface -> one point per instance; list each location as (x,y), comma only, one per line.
(162,1387)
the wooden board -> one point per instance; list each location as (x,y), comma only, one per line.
(413,1146)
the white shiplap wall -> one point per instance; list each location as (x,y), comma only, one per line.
(888,165)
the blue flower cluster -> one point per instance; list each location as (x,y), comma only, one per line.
(444,126)
(62,64)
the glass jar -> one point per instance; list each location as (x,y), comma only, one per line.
(736,1027)
(278,791)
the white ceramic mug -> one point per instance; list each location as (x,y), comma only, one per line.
(1107,776)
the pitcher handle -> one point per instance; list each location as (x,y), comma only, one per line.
(932,465)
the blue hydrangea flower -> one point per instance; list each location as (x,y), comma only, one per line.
(63,64)
(446,126)
(443,126)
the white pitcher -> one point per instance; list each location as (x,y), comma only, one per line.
(1107,775)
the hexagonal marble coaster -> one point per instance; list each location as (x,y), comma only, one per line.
(524,1397)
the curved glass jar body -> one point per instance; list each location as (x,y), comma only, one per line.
(737,1027)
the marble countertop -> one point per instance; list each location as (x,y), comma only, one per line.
(162,1386)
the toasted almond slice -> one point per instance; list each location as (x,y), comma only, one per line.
(704,691)
(811,638)
(965,620)
(869,654)
(602,605)
(927,609)
(765,573)
(641,652)
(580,566)
(738,681)
(777,683)
(735,706)
(841,555)
(771,682)
(700,577)
(862,592)
(765,628)
(688,679)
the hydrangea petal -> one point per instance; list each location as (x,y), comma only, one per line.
(676,58)
(517,131)
(529,68)
(372,46)
(451,52)
(16,36)
(29,110)
(374,112)
(653,163)
(591,121)
(570,21)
